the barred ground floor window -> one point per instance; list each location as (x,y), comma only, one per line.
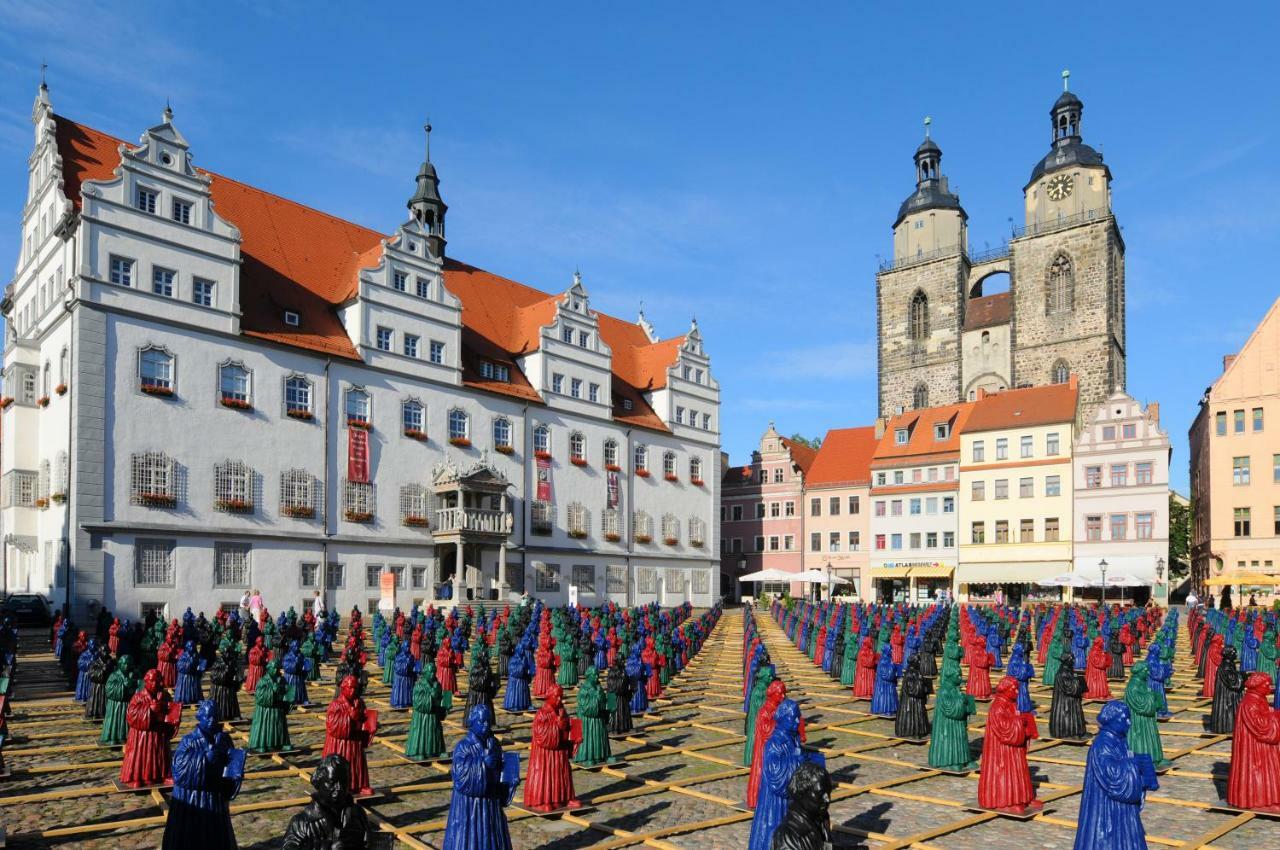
(617,578)
(546,577)
(153,563)
(646,580)
(584,578)
(231,564)
(702,581)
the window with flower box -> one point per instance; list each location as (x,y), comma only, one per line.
(670,530)
(611,456)
(233,386)
(697,533)
(577,449)
(542,517)
(542,441)
(502,436)
(579,521)
(152,480)
(155,371)
(413,506)
(413,419)
(695,471)
(642,524)
(42,485)
(358,408)
(233,487)
(641,461)
(19,489)
(153,562)
(669,466)
(357,501)
(58,489)
(297,398)
(298,494)
(231,564)
(459,428)
(611,524)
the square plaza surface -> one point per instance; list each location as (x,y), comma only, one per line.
(677,784)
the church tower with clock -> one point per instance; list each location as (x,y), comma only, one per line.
(942,338)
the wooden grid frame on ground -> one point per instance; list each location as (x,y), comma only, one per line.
(678,782)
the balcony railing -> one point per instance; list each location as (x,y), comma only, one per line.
(1060,223)
(472,519)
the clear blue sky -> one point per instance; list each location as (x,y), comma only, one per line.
(715,159)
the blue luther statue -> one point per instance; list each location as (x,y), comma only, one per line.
(484,781)
(782,755)
(207,772)
(1116,783)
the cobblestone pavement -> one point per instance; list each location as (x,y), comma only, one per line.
(678,783)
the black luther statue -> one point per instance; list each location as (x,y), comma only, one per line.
(912,719)
(807,825)
(1066,712)
(332,820)
(1227,690)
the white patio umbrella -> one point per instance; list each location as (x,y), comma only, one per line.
(1120,581)
(771,574)
(1065,580)
(816,576)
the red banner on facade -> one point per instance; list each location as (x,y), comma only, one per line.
(544,479)
(358,455)
(613,490)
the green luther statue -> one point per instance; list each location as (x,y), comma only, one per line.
(949,741)
(426,732)
(1144,731)
(269,731)
(764,676)
(594,714)
(121,686)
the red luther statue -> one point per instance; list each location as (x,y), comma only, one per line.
(864,678)
(980,664)
(1097,663)
(152,717)
(1254,780)
(1005,779)
(549,785)
(349,728)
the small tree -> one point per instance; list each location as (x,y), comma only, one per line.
(1179,538)
(814,443)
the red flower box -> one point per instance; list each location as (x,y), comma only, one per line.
(298,512)
(158,500)
(362,424)
(236,403)
(577,534)
(162,392)
(643,473)
(42,503)
(644,538)
(697,544)
(504,450)
(460,442)
(415,434)
(357,516)
(417,522)
(234,506)
(671,541)
(300,414)
(60,389)
(579,461)
(542,455)
(696,482)
(58,498)
(6,401)
(614,537)
(672,477)
(43,401)
(612,467)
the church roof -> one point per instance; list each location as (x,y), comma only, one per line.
(988,311)
(1074,153)
(297,258)
(932,195)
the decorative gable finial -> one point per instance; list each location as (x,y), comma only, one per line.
(44,66)
(577,276)
(427,128)
(1066,79)
(168,112)
(927,122)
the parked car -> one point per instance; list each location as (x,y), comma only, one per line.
(28,609)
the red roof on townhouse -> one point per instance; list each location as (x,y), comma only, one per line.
(844,458)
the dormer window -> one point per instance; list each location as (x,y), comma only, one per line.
(900,436)
(942,431)
(399,281)
(566,334)
(626,404)
(145,200)
(584,339)
(166,158)
(292,319)
(181,211)
(495,371)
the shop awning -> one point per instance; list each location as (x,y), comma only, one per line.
(998,572)
(896,571)
(1243,578)
(933,571)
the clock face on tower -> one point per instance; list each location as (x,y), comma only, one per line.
(1059,187)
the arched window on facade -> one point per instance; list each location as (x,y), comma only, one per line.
(542,440)
(920,397)
(1060,287)
(1061,372)
(918,317)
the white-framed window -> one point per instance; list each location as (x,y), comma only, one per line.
(233,487)
(309,575)
(669,464)
(357,501)
(1051,444)
(577,447)
(151,480)
(413,506)
(418,577)
(60,475)
(593,392)
(575,388)
(557,384)
(423,286)
(233,382)
(501,433)
(642,526)
(459,425)
(1026,445)
(120,271)
(162,280)
(145,200)
(900,436)
(610,454)
(547,577)
(695,470)
(611,523)
(383,338)
(616,578)
(679,415)
(646,580)
(292,319)
(413,419)
(697,532)
(542,440)
(670,530)
(297,397)
(298,494)
(231,564)
(542,517)
(357,405)
(399,281)
(437,351)
(181,211)
(411,343)
(641,460)
(584,578)
(579,520)
(153,562)
(495,371)
(202,292)
(371,574)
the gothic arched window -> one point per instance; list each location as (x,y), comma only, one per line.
(920,397)
(918,317)
(1060,288)
(1061,372)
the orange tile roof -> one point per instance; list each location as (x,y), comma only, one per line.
(987,311)
(844,458)
(920,443)
(1024,407)
(801,455)
(297,258)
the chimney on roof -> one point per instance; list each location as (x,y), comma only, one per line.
(881,424)
(1153,413)
(982,393)
(1074,381)
(1227,360)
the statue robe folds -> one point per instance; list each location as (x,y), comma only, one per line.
(949,738)
(1066,712)
(346,735)
(476,820)
(549,783)
(146,752)
(200,807)
(782,755)
(1005,778)
(1115,785)
(912,720)
(1254,779)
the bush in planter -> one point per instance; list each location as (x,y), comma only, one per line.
(43,401)
(578,461)
(362,424)
(642,473)
(58,498)
(60,389)
(542,455)
(42,503)
(158,500)
(235,506)
(152,389)
(672,477)
(612,467)
(236,403)
(696,482)
(671,541)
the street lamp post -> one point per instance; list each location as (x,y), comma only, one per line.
(1102,566)
(1160,576)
